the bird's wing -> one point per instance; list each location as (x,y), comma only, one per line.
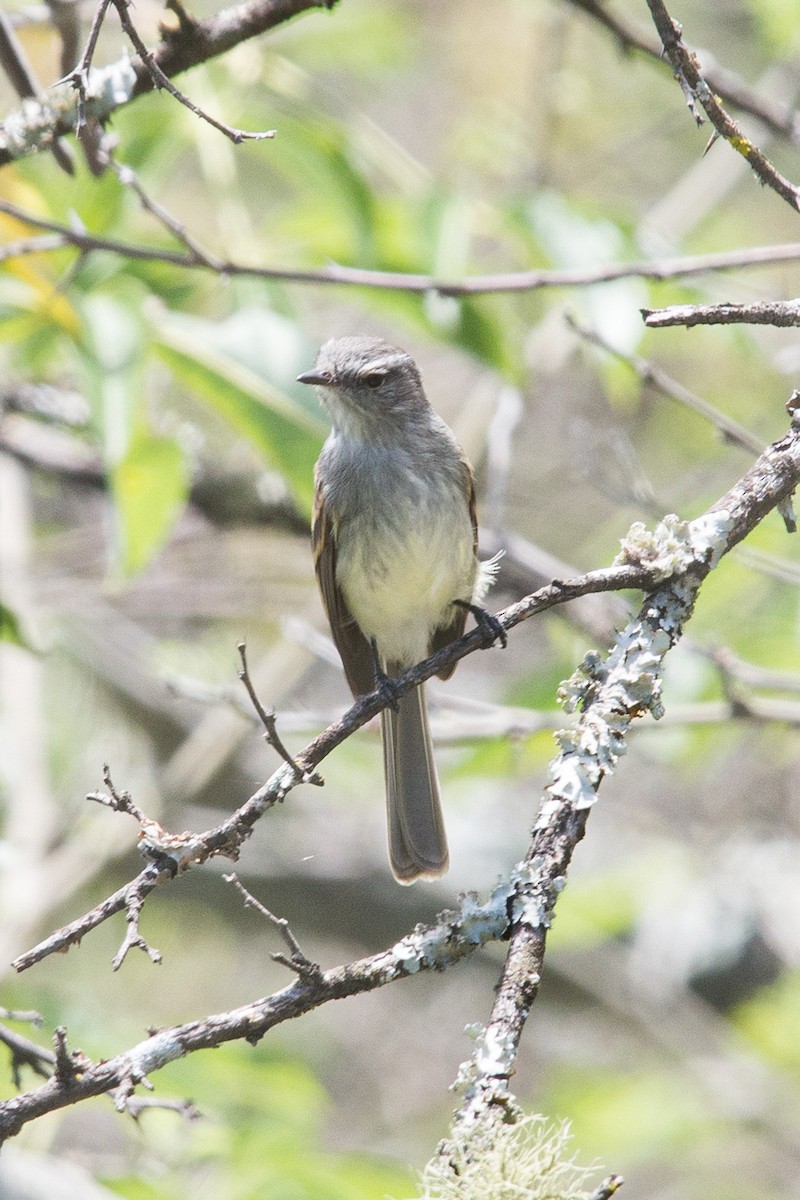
(354,649)
(455,626)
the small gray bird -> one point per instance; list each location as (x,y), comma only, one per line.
(395,552)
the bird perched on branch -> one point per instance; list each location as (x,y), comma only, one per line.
(395,551)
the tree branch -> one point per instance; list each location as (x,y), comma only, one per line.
(105,90)
(611,694)
(732,431)
(198,258)
(696,90)
(673,562)
(171,854)
(784,314)
(780,119)
(456,935)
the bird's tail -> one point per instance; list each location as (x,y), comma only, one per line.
(417,841)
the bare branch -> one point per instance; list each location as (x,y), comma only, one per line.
(161,80)
(778,118)
(784,314)
(298,961)
(199,258)
(696,89)
(26,1053)
(655,377)
(171,854)
(129,179)
(270,722)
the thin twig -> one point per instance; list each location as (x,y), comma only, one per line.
(116,801)
(696,89)
(684,266)
(26,1053)
(162,80)
(778,118)
(269,719)
(652,375)
(128,178)
(33,245)
(297,960)
(79,76)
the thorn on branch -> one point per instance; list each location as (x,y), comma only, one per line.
(161,80)
(187,24)
(123,1093)
(270,722)
(786,510)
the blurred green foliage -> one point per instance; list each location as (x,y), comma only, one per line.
(258,1134)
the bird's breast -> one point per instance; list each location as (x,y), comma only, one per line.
(404,553)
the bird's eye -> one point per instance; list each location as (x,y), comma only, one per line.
(374,380)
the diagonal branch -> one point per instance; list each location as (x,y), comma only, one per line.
(611,694)
(171,854)
(696,90)
(456,935)
(780,119)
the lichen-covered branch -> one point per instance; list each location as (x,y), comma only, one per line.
(41,121)
(610,693)
(455,935)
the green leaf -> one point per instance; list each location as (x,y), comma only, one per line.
(770,1022)
(11,628)
(150,485)
(280,427)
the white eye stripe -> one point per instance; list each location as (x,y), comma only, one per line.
(379,366)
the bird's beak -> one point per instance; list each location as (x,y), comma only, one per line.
(320,378)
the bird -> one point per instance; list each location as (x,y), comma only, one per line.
(395,547)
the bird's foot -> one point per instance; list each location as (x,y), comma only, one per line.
(491,628)
(385,686)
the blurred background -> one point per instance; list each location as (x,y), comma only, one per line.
(155,485)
